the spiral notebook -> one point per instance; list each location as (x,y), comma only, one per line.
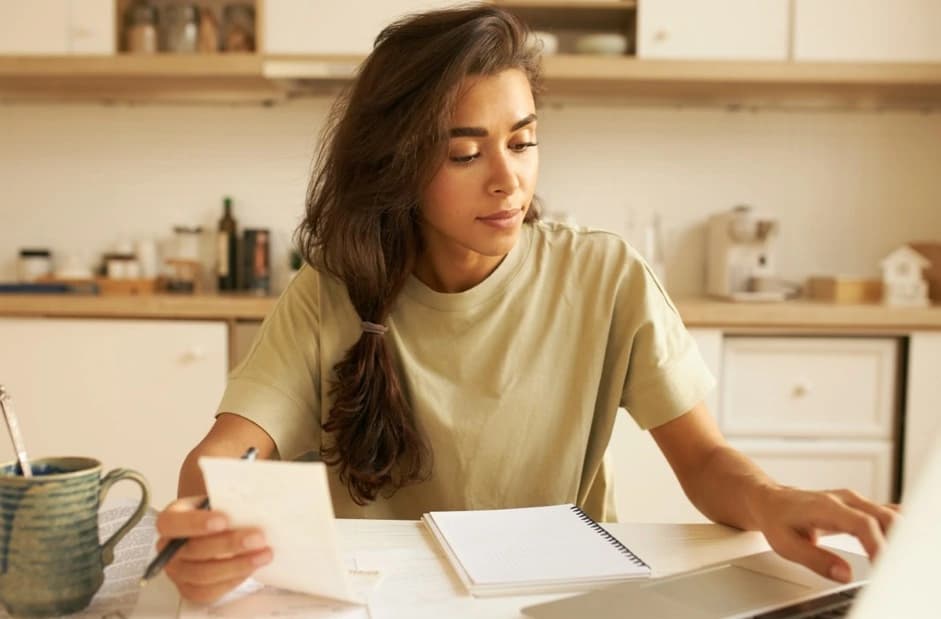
(532,550)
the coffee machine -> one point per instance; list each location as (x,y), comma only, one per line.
(740,264)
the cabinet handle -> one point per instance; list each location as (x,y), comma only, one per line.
(801,389)
(193,354)
(660,36)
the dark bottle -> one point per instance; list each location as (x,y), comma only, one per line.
(227,249)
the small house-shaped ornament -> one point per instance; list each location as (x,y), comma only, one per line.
(903,281)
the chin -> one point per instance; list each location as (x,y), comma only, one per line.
(498,244)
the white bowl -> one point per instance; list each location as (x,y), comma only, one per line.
(609,43)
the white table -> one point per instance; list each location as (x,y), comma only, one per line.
(417,581)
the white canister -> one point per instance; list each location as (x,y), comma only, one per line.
(146,250)
(33,264)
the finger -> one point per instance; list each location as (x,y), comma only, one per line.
(207,594)
(831,513)
(227,544)
(185,503)
(793,546)
(883,513)
(216,571)
(183,520)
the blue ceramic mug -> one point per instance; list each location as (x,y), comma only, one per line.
(51,561)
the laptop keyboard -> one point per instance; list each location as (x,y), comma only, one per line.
(830,606)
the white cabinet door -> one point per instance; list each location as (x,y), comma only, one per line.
(333,26)
(91,28)
(51,27)
(34,27)
(645,488)
(132,393)
(718,29)
(867,30)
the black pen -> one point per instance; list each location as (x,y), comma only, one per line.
(164,556)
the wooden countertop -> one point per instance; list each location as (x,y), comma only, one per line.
(790,316)
(808,316)
(172,306)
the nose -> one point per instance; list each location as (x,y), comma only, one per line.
(503,178)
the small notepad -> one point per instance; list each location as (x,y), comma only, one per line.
(532,550)
(290,501)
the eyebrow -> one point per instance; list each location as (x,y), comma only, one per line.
(480,132)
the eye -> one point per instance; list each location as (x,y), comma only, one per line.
(464,158)
(522,146)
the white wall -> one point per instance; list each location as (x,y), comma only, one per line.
(847,186)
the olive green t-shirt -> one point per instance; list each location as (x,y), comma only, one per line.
(515,383)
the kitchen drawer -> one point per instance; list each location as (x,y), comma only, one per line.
(809,387)
(861,465)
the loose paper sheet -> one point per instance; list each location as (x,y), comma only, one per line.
(290,502)
(253,600)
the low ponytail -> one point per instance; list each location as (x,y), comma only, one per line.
(371,418)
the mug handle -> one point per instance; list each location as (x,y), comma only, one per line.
(113,476)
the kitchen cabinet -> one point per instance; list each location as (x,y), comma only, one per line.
(333,27)
(813,412)
(716,30)
(132,393)
(867,30)
(53,27)
(923,405)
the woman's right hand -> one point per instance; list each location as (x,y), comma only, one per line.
(216,559)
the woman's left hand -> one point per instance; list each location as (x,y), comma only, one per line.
(792,520)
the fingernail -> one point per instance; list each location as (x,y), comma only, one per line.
(215,524)
(262,559)
(840,573)
(253,541)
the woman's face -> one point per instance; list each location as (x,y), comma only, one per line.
(477,199)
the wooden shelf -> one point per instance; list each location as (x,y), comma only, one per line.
(256,78)
(738,82)
(123,77)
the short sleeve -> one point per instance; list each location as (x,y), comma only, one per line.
(277,384)
(666,375)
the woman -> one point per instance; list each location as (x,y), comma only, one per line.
(445,350)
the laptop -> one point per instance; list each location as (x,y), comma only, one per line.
(902,583)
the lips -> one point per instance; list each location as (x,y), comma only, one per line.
(501,215)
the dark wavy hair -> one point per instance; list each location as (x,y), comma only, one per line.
(385,138)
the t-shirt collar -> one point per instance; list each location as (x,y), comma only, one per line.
(494,284)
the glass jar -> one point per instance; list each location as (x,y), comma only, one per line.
(187,242)
(140,29)
(238,28)
(180,27)
(33,265)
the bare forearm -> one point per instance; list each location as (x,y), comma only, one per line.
(730,488)
(229,437)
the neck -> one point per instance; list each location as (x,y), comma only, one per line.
(453,269)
